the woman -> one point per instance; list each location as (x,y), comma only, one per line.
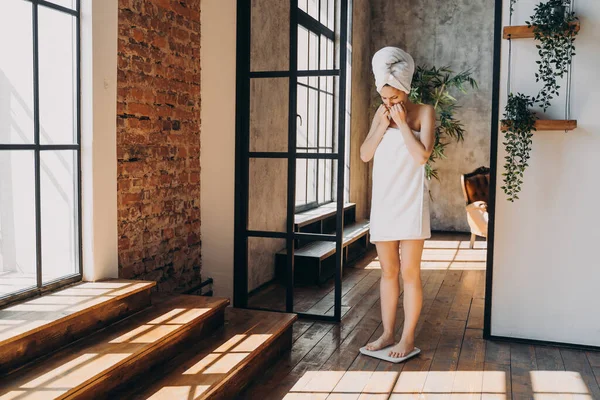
(400,140)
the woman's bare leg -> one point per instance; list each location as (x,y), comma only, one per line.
(412,251)
(389,258)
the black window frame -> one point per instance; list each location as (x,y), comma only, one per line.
(312,25)
(38,148)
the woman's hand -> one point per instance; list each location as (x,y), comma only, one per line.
(383,116)
(398,113)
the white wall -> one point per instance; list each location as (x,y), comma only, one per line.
(99,21)
(217,141)
(546,266)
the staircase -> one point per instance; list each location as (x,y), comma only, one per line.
(117,340)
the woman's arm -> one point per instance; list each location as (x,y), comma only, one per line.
(379,125)
(421,149)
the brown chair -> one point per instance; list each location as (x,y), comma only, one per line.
(475,186)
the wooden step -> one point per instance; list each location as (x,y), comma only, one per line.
(35,327)
(220,368)
(96,365)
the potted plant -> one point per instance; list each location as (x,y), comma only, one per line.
(517,126)
(554,28)
(433,86)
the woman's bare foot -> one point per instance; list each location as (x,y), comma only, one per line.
(383,341)
(402,348)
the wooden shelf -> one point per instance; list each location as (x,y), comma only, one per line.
(526,32)
(554,125)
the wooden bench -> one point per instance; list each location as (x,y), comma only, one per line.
(315,261)
(319,214)
(322,219)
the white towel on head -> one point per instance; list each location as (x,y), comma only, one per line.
(395,67)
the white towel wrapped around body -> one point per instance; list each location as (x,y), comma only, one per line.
(395,67)
(400,199)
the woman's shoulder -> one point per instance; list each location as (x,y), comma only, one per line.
(424,109)
(423,112)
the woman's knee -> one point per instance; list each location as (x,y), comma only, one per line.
(390,271)
(411,274)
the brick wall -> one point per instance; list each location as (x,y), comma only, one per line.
(158,142)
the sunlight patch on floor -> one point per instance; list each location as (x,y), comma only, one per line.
(449,255)
(344,385)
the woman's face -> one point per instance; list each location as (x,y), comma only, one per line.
(390,96)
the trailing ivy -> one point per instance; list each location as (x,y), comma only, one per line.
(554,28)
(517,125)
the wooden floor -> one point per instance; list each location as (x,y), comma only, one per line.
(455,362)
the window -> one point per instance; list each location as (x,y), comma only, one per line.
(40,230)
(315,110)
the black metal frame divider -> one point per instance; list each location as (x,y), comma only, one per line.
(243,154)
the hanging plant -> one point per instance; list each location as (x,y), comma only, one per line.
(517,125)
(554,27)
(512,6)
(432,86)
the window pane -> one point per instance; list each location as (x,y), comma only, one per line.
(17,222)
(269,51)
(302,120)
(302,4)
(328,180)
(330,54)
(313,8)
(311,176)
(322,183)
(16,72)
(323,5)
(302,48)
(312,118)
(59,223)
(267,194)
(314,287)
(331,14)
(269,113)
(329,122)
(323,52)
(322,122)
(301,168)
(266,273)
(58,74)
(65,3)
(313,58)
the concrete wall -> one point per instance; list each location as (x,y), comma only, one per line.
(545,283)
(360,106)
(269,105)
(458,34)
